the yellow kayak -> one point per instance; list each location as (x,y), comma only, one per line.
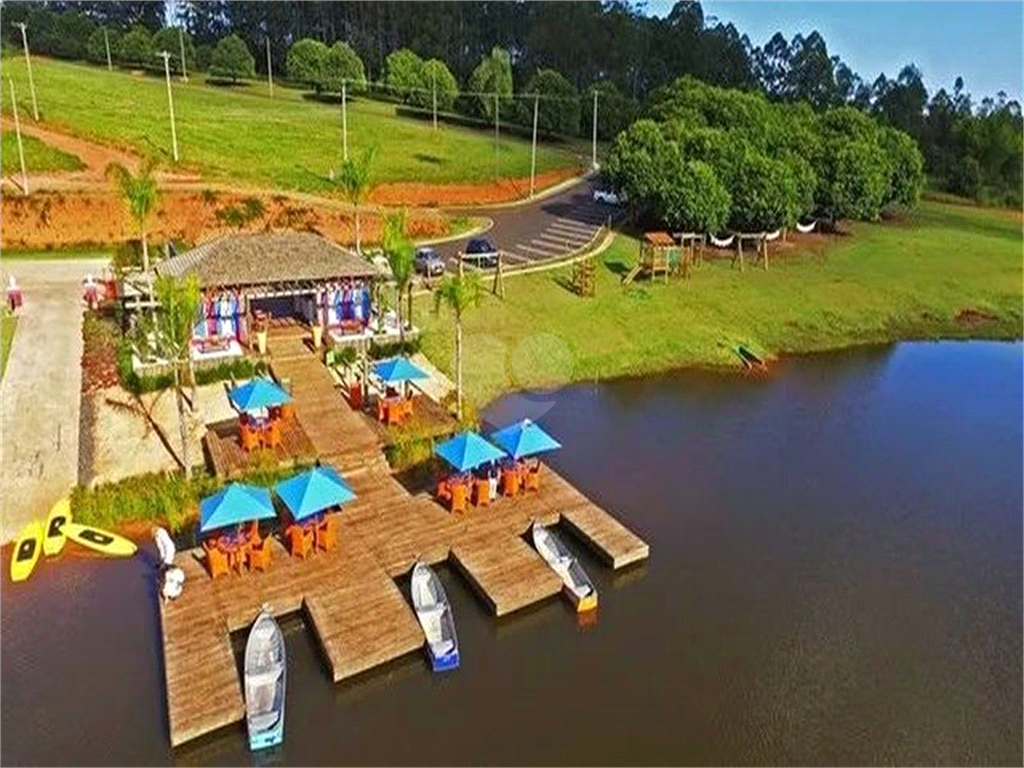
(54,538)
(102,541)
(26,551)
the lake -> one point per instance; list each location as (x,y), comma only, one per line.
(835,578)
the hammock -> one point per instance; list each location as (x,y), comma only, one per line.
(726,243)
(805,228)
(772,235)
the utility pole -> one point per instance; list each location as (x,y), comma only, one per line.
(344,119)
(170,101)
(28,63)
(433,81)
(181,44)
(106,42)
(17,130)
(495,133)
(533,153)
(593,157)
(270,70)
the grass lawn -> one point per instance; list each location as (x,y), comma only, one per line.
(8,324)
(239,134)
(884,282)
(39,156)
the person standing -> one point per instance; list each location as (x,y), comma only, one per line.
(13,294)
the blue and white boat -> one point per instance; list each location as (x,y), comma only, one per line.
(435,616)
(265,665)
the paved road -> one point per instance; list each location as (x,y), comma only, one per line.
(547,229)
(40,393)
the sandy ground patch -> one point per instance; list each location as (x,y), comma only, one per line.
(125,441)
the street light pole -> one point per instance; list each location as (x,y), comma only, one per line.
(28,63)
(593,157)
(17,130)
(344,119)
(181,44)
(270,72)
(106,42)
(170,101)
(433,82)
(533,154)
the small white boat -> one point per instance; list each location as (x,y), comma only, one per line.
(577,585)
(435,616)
(265,665)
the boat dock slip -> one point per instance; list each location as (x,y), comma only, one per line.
(349,595)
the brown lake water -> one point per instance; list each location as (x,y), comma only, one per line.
(835,578)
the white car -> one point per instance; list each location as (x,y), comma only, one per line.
(606,196)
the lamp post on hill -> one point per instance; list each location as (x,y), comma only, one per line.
(170,101)
(28,63)
(181,45)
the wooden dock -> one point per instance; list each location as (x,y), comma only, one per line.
(356,610)
(223,447)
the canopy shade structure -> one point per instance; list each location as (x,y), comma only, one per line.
(467,451)
(256,394)
(313,491)
(524,438)
(237,503)
(397,370)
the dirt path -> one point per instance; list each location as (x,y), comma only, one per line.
(94,156)
(39,395)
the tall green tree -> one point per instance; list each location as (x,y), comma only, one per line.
(307,63)
(137,48)
(96,47)
(492,76)
(231,58)
(166,39)
(558,104)
(459,294)
(343,66)
(354,181)
(403,74)
(401,256)
(166,334)
(437,80)
(140,193)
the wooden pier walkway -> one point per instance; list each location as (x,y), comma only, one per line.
(349,594)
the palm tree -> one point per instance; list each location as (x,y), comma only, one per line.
(167,334)
(402,259)
(141,194)
(354,180)
(459,293)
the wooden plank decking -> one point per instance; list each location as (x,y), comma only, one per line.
(229,460)
(356,610)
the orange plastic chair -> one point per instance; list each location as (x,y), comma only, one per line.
(395,412)
(258,556)
(407,407)
(509,482)
(270,437)
(532,480)
(216,561)
(327,533)
(481,492)
(444,490)
(300,543)
(250,438)
(288,411)
(460,498)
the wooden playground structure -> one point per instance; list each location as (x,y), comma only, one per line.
(664,254)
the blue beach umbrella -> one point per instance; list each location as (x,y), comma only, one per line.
(467,451)
(397,370)
(524,438)
(237,503)
(256,394)
(313,491)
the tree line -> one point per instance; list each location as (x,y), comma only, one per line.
(580,47)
